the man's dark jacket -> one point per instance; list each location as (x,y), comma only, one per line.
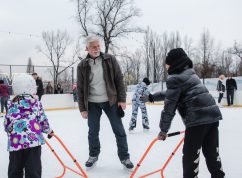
(231,84)
(113,78)
(192,99)
(40,88)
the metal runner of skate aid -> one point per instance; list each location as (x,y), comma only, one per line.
(81,173)
(167,161)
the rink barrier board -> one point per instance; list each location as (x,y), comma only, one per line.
(52,102)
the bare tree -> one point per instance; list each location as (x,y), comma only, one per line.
(109,19)
(146,47)
(30,67)
(136,61)
(227,61)
(56,45)
(155,50)
(205,50)
(127,68)
(239,68)
(165,49)
(153,54)
(84,18)
(175,40)
(66,80)
(188,46)
(156,56)
(237,50)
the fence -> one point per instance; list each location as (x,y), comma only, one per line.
(66,78)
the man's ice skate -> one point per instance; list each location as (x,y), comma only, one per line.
(1,114)
(128,165)
(146,128)
(91,162)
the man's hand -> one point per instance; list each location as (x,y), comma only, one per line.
(84,114)
(122,104)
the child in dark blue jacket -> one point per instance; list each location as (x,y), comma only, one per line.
(199,113)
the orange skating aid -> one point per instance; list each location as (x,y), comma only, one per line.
(167,161)
(80,172)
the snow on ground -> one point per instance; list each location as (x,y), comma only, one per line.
(72,129)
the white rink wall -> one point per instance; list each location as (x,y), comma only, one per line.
(57,101)
(237,97)
(65,101)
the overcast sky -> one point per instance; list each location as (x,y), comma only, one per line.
(189,17)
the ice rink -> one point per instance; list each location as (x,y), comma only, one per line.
(73,130)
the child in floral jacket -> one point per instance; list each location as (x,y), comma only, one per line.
(24,123)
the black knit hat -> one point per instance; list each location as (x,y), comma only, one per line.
(175,54)
(178,61)
(146,81)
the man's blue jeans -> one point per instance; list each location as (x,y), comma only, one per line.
(94,115)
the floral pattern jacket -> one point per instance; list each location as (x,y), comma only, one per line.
(24,123)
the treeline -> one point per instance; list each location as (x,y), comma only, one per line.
(209,59)
(112,20)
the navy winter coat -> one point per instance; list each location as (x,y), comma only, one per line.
(186,93)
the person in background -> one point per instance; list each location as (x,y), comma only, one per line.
(49,89)
(4,96)
(101,88)
(231,86)
(39,84)
(74,93)
(220,88)
(58,89)
(140,91)
(199,113)
(24,123)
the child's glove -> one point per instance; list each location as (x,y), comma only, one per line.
(162,136)
(50,135)
(151,98)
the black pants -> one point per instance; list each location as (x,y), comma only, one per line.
(230,97)
(39,96)
(4,101)
(220,97)
(28,159)
(94,116)
(205,137)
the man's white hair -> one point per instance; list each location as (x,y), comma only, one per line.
(90,39)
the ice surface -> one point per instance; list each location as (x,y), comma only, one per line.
(72,129)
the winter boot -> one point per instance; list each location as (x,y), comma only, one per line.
(91,161)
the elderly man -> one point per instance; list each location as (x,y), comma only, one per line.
(101,88)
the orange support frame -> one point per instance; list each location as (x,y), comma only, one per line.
(81,173)
(167,161)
